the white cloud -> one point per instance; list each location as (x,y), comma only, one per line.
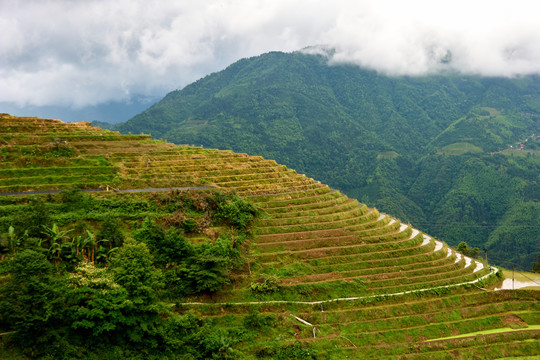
(78,53)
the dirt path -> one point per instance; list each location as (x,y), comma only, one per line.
(493,271)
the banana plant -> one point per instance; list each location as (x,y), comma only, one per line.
(53,252)
(110,253)
(101,253)
(88,246)
(13,240)
(10,241)
(69,253)
(76,243)
(56,237)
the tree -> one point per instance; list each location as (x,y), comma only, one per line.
(149,233)
(38,218)
(33,301)
(110,231)
(133,269)
(99,304)
(56,238)
(9,242)
(466,250)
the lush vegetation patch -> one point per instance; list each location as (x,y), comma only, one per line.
(96,283)
(460,148)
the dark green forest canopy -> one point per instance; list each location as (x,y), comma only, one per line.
(441,151)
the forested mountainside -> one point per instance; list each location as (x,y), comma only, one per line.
(123,247)
(457,156)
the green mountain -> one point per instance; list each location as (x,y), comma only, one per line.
(439,151)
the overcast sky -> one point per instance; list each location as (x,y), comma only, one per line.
(80,53)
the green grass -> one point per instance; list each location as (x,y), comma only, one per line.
(492,111)
(460,148)
(490,331)
(387,155)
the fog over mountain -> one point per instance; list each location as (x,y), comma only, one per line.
(80,54)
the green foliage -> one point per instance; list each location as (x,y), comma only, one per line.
(97,312)
(32,301)
(195,338)
(110,231)
(467,250)
(36,220)
(216,343)
(515,240)
(100,305)
(189,225)
(190,268)
(207,270)
(74,200)
(150,233)
(59,149)
(133,269)
(235,211)
(255,320)
(265,285)
(278,351)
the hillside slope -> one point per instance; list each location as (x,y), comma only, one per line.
(408,145)
(183,251)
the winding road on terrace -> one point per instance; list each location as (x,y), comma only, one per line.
(318,302)
(427,239)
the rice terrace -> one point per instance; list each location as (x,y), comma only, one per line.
(139,248)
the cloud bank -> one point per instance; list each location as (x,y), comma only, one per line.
(81,53)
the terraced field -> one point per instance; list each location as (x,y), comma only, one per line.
(46,154)
(344,279)
(451,324)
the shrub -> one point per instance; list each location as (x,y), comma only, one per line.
(256,320)
(265,285)
(286,352)
(189,225)
(235,211)
(110,230)
(467,250)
